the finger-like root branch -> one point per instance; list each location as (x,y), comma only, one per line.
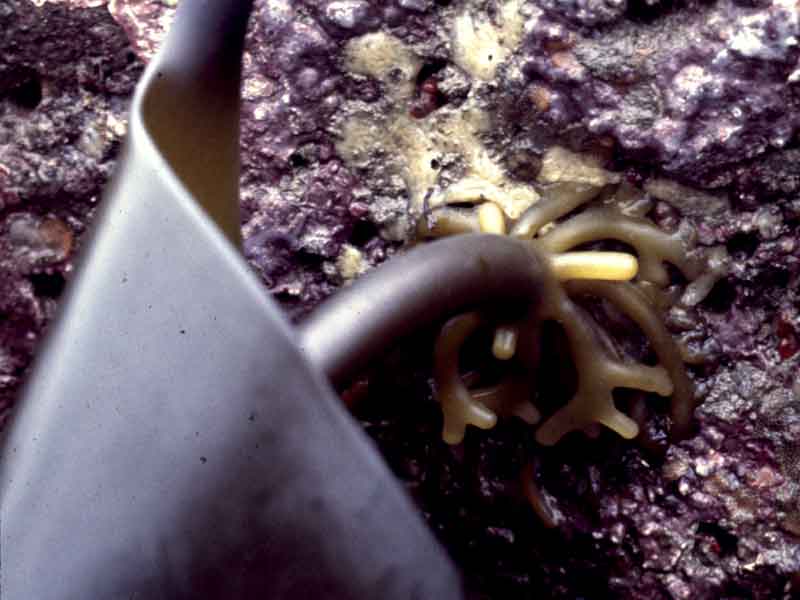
(442,221)
(459,407)
(717,266)
(548,514)
(445,220)
(600,371)
(632,301)
(505,340)
(557,200)
(598,376)
(610,266)
(491,218)
(653,245)
(511,398)
(481,407)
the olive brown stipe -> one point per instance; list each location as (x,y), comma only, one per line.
(421,287)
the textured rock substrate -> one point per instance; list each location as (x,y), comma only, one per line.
(668,94)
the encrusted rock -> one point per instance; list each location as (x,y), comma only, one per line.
(66,75)
(695,103)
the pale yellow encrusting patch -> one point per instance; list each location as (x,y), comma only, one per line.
(560,164)
(350,263)
(385,58)
(480,46)
(415,149)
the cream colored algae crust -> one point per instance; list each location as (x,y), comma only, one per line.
(575,202)
(417,149)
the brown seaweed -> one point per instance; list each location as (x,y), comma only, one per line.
(599,274)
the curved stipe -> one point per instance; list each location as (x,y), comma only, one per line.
(425,285)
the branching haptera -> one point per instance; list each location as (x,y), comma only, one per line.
(511,276)
(620,278)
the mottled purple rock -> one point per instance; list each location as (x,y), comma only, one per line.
(691,89)
(66,76)
(664,93)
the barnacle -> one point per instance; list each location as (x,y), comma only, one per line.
(569,275)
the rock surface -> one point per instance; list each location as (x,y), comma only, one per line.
(694,102)
(66,76)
